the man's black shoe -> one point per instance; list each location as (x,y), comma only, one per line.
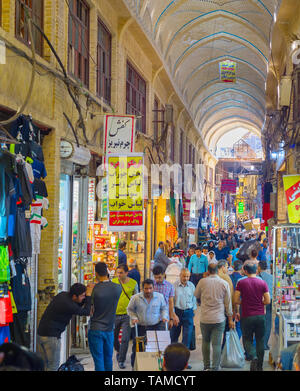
(253,365)
(121,365)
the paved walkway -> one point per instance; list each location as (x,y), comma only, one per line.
(195,359)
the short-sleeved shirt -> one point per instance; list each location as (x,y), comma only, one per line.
(39,170)
(221,254)
(252,291)
(198,265)
(166,289)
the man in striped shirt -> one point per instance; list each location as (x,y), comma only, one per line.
(167,290)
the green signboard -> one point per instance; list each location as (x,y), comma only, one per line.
(241,208)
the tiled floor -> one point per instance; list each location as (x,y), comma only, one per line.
(195,358)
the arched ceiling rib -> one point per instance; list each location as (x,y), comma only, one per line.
(193,36)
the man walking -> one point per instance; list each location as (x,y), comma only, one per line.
(215,298)
(185,304)
(167,290)
(197,266)
(252,294)
(147,309)
(56,318)
(268,278)
(122,257)
(129,288)
(105,299)
(160,257)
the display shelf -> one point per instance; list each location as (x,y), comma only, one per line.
(105,249)
(285,281)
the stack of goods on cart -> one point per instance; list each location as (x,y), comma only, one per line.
(23,196)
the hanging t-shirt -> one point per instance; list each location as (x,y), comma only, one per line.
(37,222)
(39,170)
(36,151)
(39,188)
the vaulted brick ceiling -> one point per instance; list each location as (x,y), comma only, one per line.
(193,36)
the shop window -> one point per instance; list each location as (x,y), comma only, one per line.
(35,9)
(78,48)
(136,97)
(104,63)
(155,119)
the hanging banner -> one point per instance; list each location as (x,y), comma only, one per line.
(125,192)
(228,71)
(186,202)
(291,185)
(228,186)
(119,134)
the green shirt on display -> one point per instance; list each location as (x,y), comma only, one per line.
(131,288)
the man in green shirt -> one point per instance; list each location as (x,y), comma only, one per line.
(129,288)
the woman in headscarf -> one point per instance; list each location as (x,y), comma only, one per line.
(211,257)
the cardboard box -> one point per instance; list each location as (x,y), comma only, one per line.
(146,361)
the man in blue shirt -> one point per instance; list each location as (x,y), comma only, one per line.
(122,257)
(148,310)
(268,278)
(197,266)
(263,251)
(134,272)
(221,251)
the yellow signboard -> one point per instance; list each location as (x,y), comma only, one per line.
(291,185)
(125,185)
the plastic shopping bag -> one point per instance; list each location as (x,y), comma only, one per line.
(233,353)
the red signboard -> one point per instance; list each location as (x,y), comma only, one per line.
(228,186)
(123,219)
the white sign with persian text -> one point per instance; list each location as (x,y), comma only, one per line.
(119,133)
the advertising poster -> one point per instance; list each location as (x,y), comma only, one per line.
(125,192)
(291,185)
(228,71)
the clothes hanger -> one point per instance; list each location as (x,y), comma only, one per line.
(9,139)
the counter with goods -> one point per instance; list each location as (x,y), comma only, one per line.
(102,248)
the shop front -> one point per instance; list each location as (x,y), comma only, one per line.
(23,202)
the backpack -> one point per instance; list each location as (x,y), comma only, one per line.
(72,364)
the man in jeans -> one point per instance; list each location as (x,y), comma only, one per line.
(268,278)
(105,299)
(252,294)
(185,304)
(147,309)
(129,288)
(215,298)
(56,318)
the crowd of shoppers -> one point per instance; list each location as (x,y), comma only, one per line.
(231,293)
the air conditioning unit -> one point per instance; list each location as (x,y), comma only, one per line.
(285,91)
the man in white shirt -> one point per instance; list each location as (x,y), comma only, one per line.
(215,298)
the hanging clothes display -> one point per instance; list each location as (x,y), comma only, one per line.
(22,201)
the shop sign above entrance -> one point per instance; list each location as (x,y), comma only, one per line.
(119,133)
(125,192)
